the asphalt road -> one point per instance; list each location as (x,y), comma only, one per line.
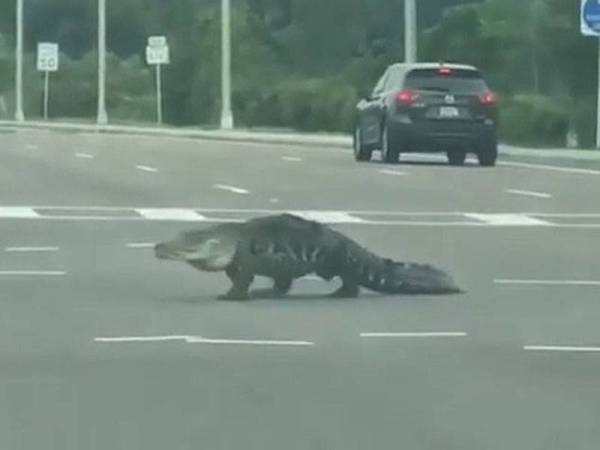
(511,364)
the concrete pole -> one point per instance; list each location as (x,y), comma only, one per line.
(410,31)
(46,93)
(19,116)
(226,112)
(102,118)
(598,108)
(159,95)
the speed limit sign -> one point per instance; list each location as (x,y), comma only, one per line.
(47,57)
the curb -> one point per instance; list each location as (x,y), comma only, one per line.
(283,138)
(220,135)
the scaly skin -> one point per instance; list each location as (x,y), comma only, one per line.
(285,247)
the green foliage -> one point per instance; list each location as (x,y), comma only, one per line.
(535,120)
(302,63)
(584,122)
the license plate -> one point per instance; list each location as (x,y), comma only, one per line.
(449,112)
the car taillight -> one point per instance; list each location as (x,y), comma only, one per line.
(488,99)
(406,98)
(445,71)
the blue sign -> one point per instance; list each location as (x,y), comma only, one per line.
(590,17)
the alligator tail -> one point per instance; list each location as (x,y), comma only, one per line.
(391,277)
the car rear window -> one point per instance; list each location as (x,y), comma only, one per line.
(456,81)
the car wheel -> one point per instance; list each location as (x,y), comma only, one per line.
(488,153)
(457,157)
(361,153)
(390,153)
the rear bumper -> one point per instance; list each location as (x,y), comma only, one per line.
(438,135)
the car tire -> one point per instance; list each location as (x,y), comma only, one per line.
(361,152)
(488,153)
(390,153)
(457,157)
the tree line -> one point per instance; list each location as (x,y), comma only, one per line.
(303,64)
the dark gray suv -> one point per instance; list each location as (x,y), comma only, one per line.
(428,107)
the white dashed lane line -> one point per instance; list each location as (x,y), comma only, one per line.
(141,245)
(31,249)
(234,189)
(561,348)
(551,168)
(529,193)
(84,156)
(146,168)
(397,173)
(42,273)
(427,334)
(291,158)
(549,282)
(202,340)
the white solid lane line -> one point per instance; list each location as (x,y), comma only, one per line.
(550,282)
(393,172)
(170,214)
(141,338)
(508,219)
(31,249)
(43,273)
(291,158)
(417,334)
(20,212)
(140,245)
(552,168)
(328,216)
(84,155)
(529,193)
(235,190)
(200,340)
(561,348)
(146,168)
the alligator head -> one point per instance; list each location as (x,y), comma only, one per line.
(211,249)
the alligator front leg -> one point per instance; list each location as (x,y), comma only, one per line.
(241,282)
(282,285)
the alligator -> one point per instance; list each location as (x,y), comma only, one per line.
(285,247)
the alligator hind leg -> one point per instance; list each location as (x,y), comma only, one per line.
(282,285)
(241,282)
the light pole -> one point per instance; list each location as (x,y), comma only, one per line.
(410,31)
(226,113)
(19,116)
(102,118)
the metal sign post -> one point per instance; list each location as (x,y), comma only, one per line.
(47,61)
(157,54)
(590,26)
